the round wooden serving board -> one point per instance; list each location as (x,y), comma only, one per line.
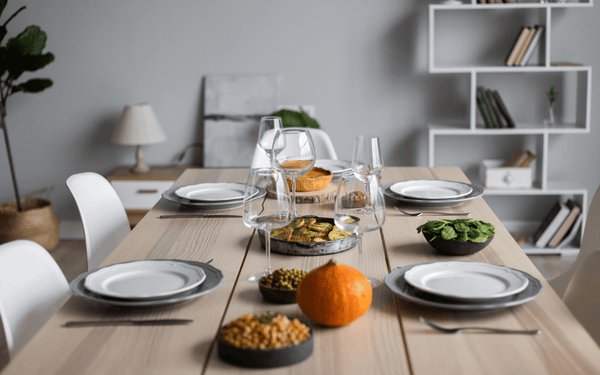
(323,195)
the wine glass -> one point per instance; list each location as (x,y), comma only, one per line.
(294,154)
(366,162)
(266,214)
(266,133)
(350,208)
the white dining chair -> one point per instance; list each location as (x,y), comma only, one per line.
(105,223)
(582,296)
(323,146)
(589,243)
(32,289)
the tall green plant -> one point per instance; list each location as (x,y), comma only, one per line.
(22,53)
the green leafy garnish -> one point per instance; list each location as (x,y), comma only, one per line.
(461,230)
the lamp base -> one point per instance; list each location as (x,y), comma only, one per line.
(140,167)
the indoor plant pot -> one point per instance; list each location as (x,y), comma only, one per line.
(27,218)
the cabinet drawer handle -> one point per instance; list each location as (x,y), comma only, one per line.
(147,191)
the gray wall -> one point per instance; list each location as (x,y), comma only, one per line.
(363,64)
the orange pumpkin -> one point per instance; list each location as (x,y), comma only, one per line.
(334,294)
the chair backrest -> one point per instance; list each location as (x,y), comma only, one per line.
(583,295)
(589,244)
(32,289)
(323,148)
(105,223)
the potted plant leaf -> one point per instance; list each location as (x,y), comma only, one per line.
(23,218)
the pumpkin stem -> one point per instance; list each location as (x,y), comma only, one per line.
(332,262)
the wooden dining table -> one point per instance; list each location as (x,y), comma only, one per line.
(388,339)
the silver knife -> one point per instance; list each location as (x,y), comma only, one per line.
(194,215)
(152,322)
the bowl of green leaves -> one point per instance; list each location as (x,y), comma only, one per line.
(457,237)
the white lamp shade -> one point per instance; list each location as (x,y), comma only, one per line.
(138,126)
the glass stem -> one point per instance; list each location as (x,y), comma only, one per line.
(268,270)
(359,245)
(368,193)
(294,213)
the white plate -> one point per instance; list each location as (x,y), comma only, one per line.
(214,279)
(144,279)
(466,280)
(212,192)
(431,189)
(476,193)
(335,166)
(397,284)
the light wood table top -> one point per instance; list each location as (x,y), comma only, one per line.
(388,339)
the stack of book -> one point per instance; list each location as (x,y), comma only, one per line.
(526,42)
(559,226)
(492,109)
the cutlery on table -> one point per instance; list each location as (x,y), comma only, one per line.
(491,330)
(184,216)
(416,214)
(152,322)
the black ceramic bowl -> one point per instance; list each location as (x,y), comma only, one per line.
(257,358)
(451,247)
(277,295)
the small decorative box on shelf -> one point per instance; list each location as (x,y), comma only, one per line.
(497,177)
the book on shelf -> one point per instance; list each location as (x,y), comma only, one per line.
(571,233)
(566,224)
(509,120)
(535,40)
(518,159)
(496,109)
(550,224)
(486,112)
(526,45)
(512,57)
(482,112)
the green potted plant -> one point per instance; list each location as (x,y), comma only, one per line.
(23,218)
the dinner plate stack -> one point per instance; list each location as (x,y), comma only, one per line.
(210,196)
(337,167)
(432,193)
(147,282)
(468,286)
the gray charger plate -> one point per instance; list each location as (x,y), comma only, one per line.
(476,193)
(310,248)
(214,279)
(396,283)
(170,196)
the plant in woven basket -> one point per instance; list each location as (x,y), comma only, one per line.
(20,54)
(334,294)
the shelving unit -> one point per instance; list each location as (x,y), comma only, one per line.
(454,50)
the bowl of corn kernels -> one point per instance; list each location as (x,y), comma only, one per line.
(281,285)
(265,340)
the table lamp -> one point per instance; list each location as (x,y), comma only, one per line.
(138,126)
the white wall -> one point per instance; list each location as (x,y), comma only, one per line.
(363,64)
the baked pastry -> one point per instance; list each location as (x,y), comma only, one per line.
(316,179)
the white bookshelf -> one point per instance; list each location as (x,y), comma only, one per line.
(576,121)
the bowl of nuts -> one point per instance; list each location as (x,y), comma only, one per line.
(281,285)
(265,341)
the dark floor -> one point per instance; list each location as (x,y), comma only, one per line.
(70,256)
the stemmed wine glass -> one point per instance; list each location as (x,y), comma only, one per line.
(266,133)
(366,161)
(350,209)
(266,214)
(293,154)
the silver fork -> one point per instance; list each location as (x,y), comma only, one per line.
(416,214)
(492,330)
